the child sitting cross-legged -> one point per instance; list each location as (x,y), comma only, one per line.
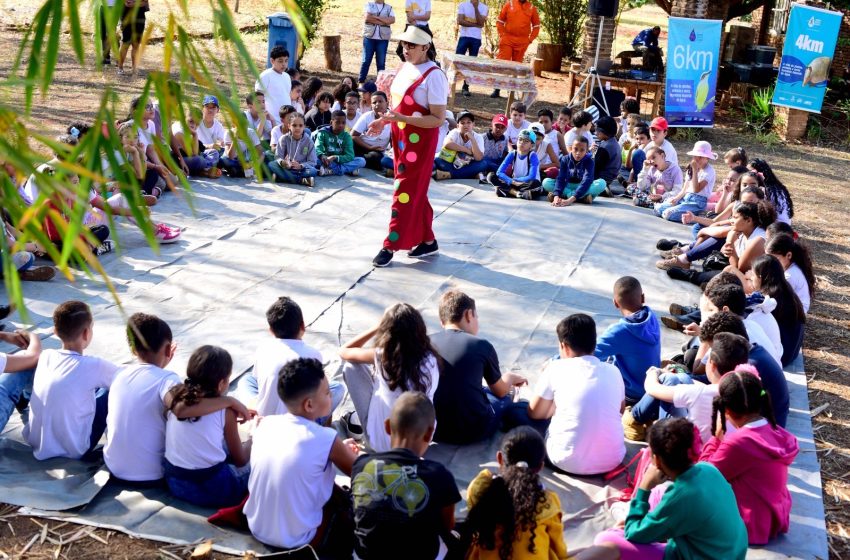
(138,399)
(204,454)
(658,181)
(697,187)
(696,518)
(401,501)
(464,149)
(519,174)
(755,457)
(295,158)
(292,463)
(577,403)
(575,181)
(335,149)
(70,390)
(16,371)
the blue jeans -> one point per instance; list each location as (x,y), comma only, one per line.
(218,486)
(291,175)
(376,48)
(649,408)
(468,45)
(703,249)
(247,390)
(493,164)
(696,229)
(13,386)
(690,203)
(343,168)
(516,414)
(468,171)
(387,162)
(98,424)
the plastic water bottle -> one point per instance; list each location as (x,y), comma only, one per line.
(607,86)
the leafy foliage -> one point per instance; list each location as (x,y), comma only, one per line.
(312,11)
(758,113)
(187,67)
(563,22)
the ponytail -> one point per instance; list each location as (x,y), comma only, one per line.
(741,393)
(776,192)
(208,367)
(491,513)
(784,243)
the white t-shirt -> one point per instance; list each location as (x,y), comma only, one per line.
(433,91)
(543,152)
(669,151)
(763,315)
(419,8)
(756,335)
(572,134)
(2,367)
(697,398)
(291,480)
(379,142)
(270,358)
(454,136)
(246,153)
(467,10)
(208,136)
(146,135)
(276,135)
(705,174)
(512,132)
(276,88)
(349,123)
(63,402)
(135,425)
(29,191)
(195,445)
(255,123)
(586,433)
(383,400)
(552,137)
(794,275)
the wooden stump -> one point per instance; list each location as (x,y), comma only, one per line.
(551,55)
(333,59)
(537,66)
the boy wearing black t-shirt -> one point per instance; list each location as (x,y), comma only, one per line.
(403,503)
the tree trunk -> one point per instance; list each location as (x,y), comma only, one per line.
(333,59)
(236,7)
(552,55)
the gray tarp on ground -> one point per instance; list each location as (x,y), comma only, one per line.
(527,265)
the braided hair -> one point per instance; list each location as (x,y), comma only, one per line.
(208,367)
(741,393)
(776,192)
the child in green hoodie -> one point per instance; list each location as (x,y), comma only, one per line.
(696,518)
(335,149)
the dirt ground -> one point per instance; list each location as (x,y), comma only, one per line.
(815,176)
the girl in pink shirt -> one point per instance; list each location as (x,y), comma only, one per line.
(754,458)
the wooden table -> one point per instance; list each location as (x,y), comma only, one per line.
(492,73)
(628,84)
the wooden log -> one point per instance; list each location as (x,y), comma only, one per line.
(333,59)
(537,66)
(551,55)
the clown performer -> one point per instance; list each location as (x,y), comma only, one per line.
(419,96)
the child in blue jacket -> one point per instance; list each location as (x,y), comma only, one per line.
(575,178)
(524,165)
(634,342)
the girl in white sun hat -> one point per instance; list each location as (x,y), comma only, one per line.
(699,182)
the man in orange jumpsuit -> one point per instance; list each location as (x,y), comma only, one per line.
(518,25)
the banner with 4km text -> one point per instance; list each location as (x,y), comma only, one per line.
(806,58)
(693,57)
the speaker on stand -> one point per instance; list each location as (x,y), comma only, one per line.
(603,9)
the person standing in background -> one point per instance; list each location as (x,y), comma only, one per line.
(471,18)
(376,36)
(418,12)
(518,26)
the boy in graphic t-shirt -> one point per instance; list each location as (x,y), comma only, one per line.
(401,501)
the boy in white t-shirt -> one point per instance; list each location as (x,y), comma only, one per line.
(471,18)
(257,115)
(16,371)
(418,12)
(677,394)
(286,324)
(276,83)
(516,124)
(372,148)
(293,460)
(578,403)
(70,390)
(138,399)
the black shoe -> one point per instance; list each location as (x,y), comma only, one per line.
(496,93)
(526,194)
(423,250)
(502,192)
(351,429)
(677,273)
(667,244)
(107,61)
(5,311)
(383,258)
(464,91)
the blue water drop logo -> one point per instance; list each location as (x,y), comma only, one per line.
(693,36)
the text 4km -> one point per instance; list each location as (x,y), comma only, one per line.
(806,43)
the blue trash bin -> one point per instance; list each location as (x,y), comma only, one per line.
(283,33)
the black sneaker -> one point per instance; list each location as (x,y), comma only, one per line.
(351,429)
(677,273)
(383,258)
(5,311)
(667,244)
(495,94)
(423,250)
(106,247)
(502,192)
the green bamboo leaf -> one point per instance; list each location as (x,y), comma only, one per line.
(76,31)
(51,54)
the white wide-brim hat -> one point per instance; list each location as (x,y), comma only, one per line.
(702,149)
(413,34)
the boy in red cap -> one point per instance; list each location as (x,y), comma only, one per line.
(496,143)
(658,134)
